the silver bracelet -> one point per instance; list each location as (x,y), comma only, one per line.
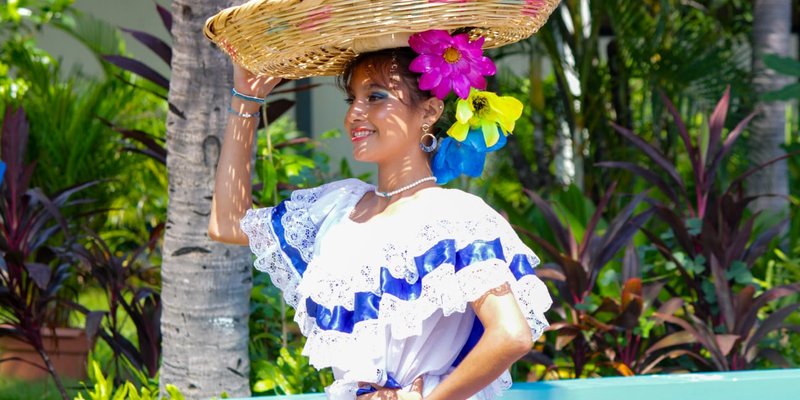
(243,115)
(242,96)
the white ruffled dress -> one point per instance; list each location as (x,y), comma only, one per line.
(387,300)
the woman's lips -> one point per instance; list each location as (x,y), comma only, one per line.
(361,134)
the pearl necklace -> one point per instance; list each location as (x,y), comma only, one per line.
(389,195)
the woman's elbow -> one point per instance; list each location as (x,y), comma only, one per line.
(521,342)
(214,234)
(516,339)
(510,344)
(219,235)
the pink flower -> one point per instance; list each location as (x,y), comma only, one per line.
(533,8)
(449,63)
(316,18)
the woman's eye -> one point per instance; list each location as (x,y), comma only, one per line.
(370,98)
(377,96)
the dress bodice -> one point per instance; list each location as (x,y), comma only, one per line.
(388,299)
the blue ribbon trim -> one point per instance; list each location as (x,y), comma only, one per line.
(520,266)
(368,390)
(474,336)
(277,226)
(367,304)
(479,251)
(391,383)
(341,319)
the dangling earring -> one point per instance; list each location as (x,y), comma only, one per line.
(426,132)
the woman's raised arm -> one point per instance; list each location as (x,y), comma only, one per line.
(232,184)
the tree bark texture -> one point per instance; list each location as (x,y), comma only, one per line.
(772,20)
(205,285)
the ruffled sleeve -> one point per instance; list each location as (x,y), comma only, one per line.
(466,250)
(284,238)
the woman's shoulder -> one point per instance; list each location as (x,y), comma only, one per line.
(453,214)
(347,186)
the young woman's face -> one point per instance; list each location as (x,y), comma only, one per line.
(381,125)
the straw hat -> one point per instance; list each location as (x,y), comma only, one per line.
(302,38)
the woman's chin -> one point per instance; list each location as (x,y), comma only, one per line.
(361,154)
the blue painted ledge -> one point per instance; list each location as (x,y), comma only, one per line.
(746,385)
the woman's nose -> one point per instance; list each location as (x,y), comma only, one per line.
(356,112)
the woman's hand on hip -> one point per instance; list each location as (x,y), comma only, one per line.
(251,84)
(395,394)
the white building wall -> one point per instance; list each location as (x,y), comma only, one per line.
(132,14)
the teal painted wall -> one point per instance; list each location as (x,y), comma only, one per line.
(749,385)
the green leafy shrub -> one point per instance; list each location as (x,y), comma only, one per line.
(290,373)
(103,388)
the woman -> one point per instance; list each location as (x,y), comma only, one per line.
(407,290)
(385,119)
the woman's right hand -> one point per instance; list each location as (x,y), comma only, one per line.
(251,84)
(414,393)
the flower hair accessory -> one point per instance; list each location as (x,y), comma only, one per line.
(483,119)
(485,111)
(449,63)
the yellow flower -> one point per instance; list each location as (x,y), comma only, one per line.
(485,110)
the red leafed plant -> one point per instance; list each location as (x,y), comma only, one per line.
(609,334)
(711,246)
(32,271)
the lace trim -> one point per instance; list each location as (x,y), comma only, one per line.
(496,388)
(300,230)
(440,293)
(257,225)
(332,287)
(345,389)
(350,351)
(341,390)
(442,289)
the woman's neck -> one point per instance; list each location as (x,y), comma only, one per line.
(402,171)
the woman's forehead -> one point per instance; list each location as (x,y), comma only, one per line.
(367,77)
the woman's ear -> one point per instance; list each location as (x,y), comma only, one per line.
(432,109)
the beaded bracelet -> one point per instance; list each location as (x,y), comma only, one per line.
(243,115)
(258,100)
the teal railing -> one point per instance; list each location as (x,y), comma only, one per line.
(746,385)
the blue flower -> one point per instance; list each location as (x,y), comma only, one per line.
(2,171)
(468,157)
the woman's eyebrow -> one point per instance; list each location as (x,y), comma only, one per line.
(370,86)
(374,85)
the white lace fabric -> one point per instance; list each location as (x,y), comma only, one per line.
(409,337)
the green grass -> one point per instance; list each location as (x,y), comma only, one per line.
(15,389)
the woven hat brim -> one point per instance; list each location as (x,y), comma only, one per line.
(302,38)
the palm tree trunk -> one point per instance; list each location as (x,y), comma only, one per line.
(205,285)
(772,20)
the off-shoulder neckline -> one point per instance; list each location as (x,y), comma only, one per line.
(391,207)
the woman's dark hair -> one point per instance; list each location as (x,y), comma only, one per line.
(385,66)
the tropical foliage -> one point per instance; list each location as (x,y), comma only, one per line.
(626,174)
